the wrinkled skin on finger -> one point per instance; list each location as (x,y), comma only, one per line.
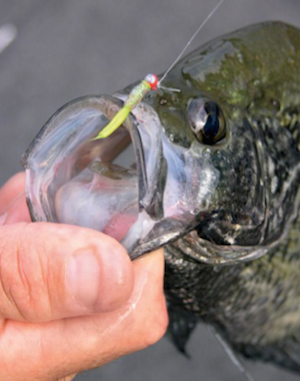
(48,337)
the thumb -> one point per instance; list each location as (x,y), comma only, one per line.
(50,271)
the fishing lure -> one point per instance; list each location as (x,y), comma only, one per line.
(135,97)
(150,82)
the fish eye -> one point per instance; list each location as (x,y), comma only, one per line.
(206,121)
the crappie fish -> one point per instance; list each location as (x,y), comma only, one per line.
(214,178)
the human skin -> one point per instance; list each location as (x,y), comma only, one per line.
(70,298)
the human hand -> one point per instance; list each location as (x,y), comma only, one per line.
(70,298)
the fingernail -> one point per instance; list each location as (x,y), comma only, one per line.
(84,278)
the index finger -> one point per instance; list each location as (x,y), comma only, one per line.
(12,189)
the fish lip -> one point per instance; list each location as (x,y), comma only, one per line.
(40,161)
(167,219)
(31,160)
(147,136)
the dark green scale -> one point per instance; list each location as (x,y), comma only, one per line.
(253,75)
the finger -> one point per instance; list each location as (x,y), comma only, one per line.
(50,271)
(17,211)
(11,189)
(72,345)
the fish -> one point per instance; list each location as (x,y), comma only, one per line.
(213,177)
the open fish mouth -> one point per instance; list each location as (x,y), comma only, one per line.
(141,202)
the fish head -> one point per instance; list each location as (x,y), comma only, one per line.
(214,171)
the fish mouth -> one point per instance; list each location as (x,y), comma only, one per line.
(163,216)
(70,178)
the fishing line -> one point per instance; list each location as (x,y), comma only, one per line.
(189,42)
(150,82)
(231,354)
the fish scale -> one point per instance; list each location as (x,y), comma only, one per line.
(249,303)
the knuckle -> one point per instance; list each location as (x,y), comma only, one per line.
(12,284)
(22,279)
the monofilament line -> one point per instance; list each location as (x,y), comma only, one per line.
(231,354)
(149,83)
(190,41)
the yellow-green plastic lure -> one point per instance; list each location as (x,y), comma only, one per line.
(136,95)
